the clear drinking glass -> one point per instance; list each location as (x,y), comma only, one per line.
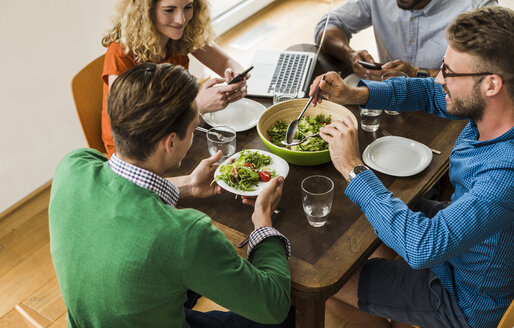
(283,93)
(317,196)
(370,119)
(389,75)
(221,138)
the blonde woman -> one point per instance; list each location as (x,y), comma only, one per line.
(166,31)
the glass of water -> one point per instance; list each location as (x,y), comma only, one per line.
(389,75)
(317,196)
(284,93)
(370,119)
(221,138)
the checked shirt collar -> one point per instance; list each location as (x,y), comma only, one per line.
(145,179)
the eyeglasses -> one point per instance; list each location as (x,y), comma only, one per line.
(447,72)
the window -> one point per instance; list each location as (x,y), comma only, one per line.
(228,13)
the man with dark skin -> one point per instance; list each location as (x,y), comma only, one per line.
(409,34)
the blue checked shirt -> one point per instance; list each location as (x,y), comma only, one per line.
(170,194)
(469,245)
(414,36)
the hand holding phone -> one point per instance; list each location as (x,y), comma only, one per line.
(240,76)
(376,66)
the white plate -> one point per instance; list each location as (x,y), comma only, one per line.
(277,163)
(397,156)
(241,115)
(352,80)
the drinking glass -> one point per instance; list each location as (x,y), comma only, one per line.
(284,93)
(317,196)
(221,138)
(370,119)
(388,75)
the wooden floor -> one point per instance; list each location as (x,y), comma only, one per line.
(27,277)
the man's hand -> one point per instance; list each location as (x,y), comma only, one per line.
(343,144)
(361,71)
(266,202)
(198,183)
(334,89)
(398,65)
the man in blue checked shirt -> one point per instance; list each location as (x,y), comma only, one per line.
(458,257)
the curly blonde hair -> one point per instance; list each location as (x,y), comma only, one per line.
(134,28)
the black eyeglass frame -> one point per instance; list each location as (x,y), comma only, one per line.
(443,69)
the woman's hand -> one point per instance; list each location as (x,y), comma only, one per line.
(240,92)
(214,96)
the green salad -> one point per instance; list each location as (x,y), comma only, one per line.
(247,171)
(306,126)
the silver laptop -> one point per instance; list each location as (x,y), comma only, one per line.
(274,68)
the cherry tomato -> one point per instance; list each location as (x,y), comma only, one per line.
(250,165)
(264,176)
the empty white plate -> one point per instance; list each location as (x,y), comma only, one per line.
(241,115)
(397,156)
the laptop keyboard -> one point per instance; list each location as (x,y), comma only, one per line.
(289,71)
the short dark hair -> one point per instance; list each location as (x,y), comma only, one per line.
(148,102)
(488,34)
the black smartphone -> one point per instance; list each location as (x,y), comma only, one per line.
(241,75)
(370,65)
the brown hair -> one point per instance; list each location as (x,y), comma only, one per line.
(488,34)
(148,102)
(134,28)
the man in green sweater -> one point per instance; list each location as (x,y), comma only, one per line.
(125,256)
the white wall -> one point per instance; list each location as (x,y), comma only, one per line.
(43,44)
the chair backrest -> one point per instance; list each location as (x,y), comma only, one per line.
(87,90)
(507,320)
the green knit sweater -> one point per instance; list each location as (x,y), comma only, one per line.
(125,259)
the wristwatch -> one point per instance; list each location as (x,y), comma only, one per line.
(422,73)
(356,170)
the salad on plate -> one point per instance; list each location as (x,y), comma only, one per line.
(247,172)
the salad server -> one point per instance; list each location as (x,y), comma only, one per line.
(293,126)
(297,142)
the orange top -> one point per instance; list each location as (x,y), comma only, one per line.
(116,63)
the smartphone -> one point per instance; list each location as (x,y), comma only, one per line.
(377,66)
(241,76)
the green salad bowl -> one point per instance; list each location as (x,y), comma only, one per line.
(288,111)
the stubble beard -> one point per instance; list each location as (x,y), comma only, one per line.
(471,107)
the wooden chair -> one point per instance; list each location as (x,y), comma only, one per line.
(87,90)
(507,320)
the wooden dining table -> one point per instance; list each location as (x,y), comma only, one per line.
(324,258)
